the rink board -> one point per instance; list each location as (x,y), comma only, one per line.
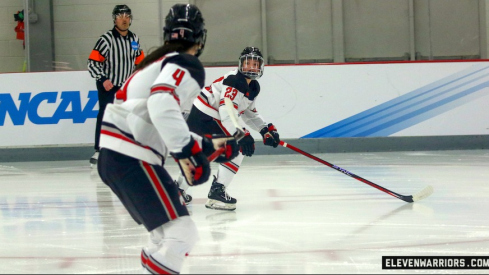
(303,101)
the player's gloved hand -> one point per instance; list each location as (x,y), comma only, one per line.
(247,144)
(227,144)
(270,135)
(193,163)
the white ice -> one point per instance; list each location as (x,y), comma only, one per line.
(294,215)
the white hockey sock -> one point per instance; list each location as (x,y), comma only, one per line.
(182,183)
(154,244)
(179,238)
(227,171)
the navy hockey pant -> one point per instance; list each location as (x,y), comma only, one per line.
(146,191)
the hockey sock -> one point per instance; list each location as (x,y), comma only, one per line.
(228,170)
(179,238)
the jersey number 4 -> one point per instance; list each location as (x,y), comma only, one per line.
(178,76)
(231,93)
(122,93)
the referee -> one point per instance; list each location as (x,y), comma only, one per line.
(112,61)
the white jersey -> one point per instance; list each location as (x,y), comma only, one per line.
(146,121)
(234,86)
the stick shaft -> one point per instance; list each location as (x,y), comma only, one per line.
(344,171)
(230,109)
(216,153)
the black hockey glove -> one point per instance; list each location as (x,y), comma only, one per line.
(192,162)
(247,144)
(227,144)
(270,135)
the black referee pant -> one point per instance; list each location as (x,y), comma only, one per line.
(104,98)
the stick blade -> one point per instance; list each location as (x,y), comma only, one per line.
(426,192)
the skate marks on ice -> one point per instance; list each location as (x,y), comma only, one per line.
(292,216)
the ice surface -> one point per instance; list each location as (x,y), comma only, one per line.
(294,215)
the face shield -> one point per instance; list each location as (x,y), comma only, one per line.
(251,65)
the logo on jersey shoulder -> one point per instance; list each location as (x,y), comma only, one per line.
(135,45)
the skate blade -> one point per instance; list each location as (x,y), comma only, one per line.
(187,200)
(217,205)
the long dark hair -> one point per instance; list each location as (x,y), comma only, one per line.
(168,47)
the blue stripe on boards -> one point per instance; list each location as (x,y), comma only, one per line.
(373,121)
(412,107)
(423,113)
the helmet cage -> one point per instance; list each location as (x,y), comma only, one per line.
(252,71)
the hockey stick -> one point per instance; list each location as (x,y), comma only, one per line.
(418,196)
(216,153)
(230,108)
(239,133)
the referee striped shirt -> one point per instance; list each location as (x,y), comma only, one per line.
(115,57)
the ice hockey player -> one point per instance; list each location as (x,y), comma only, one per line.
(144,125)
(209,116)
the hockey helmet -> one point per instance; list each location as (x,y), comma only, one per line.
(250,54)
(185,22)
(121,9)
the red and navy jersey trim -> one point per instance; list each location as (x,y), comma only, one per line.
(110,129)
(163,88)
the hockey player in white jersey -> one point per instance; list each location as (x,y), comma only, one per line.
(209,116)
(144,125)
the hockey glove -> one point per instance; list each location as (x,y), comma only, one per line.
(193,164)
(270,135)
(247,144)
(227,144)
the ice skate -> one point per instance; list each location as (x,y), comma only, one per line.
(219,199)
(94,159)
(186,197)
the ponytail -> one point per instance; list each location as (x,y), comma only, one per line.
(168,47)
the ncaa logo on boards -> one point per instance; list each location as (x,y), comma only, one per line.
(67,105)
